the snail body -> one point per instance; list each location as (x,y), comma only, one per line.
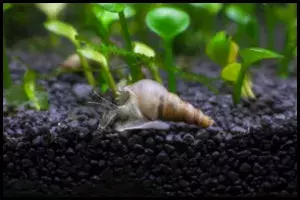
(156,103)
(148,101)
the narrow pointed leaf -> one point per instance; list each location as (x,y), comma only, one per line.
(29,87)
(143,49)
(252,55)
(62,29)
(93,55)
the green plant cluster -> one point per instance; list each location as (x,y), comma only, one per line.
(190,25)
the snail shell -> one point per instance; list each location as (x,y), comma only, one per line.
(156,103)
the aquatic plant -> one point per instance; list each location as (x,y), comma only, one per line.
(52,11)
(167,23)
(120,10)
(104,70)
(69,32)
(224,51)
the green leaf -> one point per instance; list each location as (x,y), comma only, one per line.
(15,95)
(287,13)
(93,55)
(42,99)
(6,6)
(143,49)
(237,14)
(29,87)
(52,10)
(62,29)
(167,22)
(252,55)
(213,8)
(107,17)
(231,72)
(113,7)
(218,48)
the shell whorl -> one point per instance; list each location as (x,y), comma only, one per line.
(155,102)
(172,108)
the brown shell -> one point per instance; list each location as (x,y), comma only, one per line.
(155,102)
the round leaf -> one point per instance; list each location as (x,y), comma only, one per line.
(167,22)
(113,7)
(231,72)
(143,49)
(252,55)
(213,8)
(62,29)
(51,9)
(218,48)
(108,17)
(93,55)
(237,14)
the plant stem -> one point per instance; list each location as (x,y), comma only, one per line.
(86,68)
(6,75)
(103,33)
(155,73)
(110,80)
(135,73)
(169,65)
(87,71)
(238,85)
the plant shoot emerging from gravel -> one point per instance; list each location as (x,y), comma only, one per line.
(167,23)
(120,10)
(222,50)
(68,31)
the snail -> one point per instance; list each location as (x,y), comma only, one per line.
(147,104)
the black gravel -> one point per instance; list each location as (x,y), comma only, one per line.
(251,151)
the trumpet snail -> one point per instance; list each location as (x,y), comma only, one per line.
(146,105)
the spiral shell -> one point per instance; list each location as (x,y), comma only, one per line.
(156,103)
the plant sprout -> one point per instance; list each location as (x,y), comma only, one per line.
(68,31)
(37,96)
(147,51)
(120,10)
(99,58)
(27,93)
(52,11)
(167,23)
(223,51)
(105,19)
